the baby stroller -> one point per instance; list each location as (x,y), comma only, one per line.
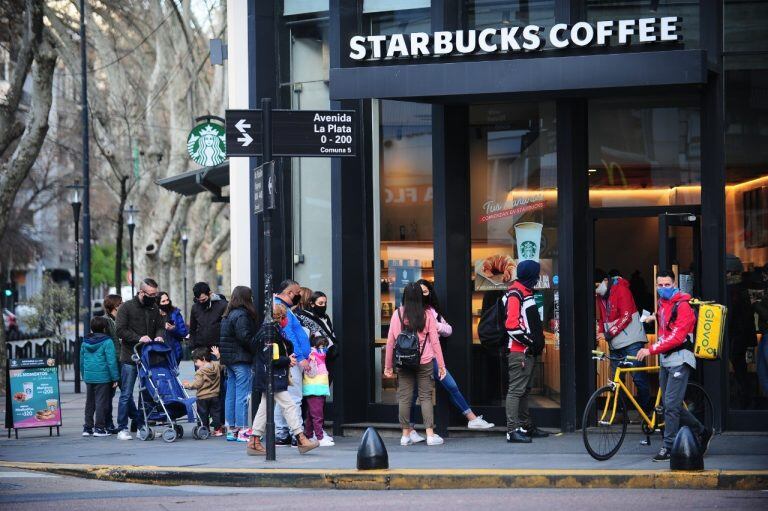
(162,398)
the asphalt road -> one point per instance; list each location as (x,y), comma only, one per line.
(40,492)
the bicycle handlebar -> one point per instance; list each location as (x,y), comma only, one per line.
(600,355)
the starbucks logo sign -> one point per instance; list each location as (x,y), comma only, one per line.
(528,249)
(205,144)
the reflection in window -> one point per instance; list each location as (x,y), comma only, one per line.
(399,22)
(514,216)
(644,153)
(495,14)
(686,10)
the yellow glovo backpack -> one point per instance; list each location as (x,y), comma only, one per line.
(710,328)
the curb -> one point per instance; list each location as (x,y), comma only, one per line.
(407,479)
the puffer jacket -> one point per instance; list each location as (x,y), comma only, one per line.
(98,363)
(175,336)
(281,363)
(205,322)
(237,331)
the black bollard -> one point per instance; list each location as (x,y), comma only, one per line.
(372,454)
(686,453)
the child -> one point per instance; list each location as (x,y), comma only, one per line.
(315,389)
(99,371)
(280,355)
(207,383)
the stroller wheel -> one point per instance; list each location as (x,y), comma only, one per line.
(151,434)
(169,435)
(195,433)
(203,433)
(179,430)
(145,433)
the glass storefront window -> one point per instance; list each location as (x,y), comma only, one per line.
(746,204)
(494,13)
(405,236)
(399,21)
(514,216)
(744,27)
(644,152)
(687,10)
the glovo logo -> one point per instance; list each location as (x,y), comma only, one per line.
(709,331)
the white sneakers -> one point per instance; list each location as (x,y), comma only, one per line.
(124,435)
(326,441)
(479,423)
(405,440)
(414,438)
(434,439)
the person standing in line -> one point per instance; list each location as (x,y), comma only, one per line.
(313,316)
(237,331)
(111,304)
(100,373)
(525,331)
(175,327)
(138,321)
(413,317)
(618,322)
(316,388)
(676,322)
(288,295)
(444,330)
(207,385)
(282,358)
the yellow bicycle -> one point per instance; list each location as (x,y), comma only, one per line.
(605,420)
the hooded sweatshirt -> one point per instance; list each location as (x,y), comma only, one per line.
(98,361)
(207,381)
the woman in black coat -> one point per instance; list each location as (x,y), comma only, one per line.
(237,330)
(312,316)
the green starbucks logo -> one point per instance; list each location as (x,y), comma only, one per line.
(528,249)
(205,144)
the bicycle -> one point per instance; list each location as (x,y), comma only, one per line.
(605,420)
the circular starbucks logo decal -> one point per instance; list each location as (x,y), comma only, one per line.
(528,249)
(205,144)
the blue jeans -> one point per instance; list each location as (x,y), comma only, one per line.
(449,384)
(641,382)
(282,429)
(126,406)
(236,398)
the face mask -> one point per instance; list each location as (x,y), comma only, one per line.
(148,301)
(602,289)
(284,322)
(319,309)
(666,293)
(296,299)
(167,308)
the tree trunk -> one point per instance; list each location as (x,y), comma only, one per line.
(119,236)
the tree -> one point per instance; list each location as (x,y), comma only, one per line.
(102,265)
(55,306)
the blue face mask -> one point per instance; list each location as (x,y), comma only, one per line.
(666,293)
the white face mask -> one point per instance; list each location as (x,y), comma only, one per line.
(602,288)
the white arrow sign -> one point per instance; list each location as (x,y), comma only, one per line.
(241,126)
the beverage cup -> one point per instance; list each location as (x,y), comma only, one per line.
(528,237)
(52,404)
(28,386)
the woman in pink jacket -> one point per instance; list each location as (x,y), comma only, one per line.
(414,317)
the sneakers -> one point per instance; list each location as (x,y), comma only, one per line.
(406,440)
(415,437)
(100,432)
(704,440)
(112,430)
(535,432)
(124,435)
(242,435)
(283,442)
(87,431)
(663,455)
(232,435)
(518,436)
(218,432)
(479,423)
(326,435)
(435,439)
(326,441)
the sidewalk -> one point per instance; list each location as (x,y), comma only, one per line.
(460,461)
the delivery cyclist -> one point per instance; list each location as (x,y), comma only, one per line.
(676,324)
(619,323)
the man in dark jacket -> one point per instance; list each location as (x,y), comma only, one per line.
(138,321)
(205,316)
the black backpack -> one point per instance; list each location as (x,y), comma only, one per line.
(492,330)
(407,350)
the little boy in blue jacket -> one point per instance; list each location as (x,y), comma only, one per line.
(99,371)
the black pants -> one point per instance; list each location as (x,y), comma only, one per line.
(109,418)
(210,411)
(97,402)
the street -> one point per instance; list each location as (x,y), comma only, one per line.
(39,492)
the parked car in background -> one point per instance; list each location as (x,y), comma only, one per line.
(10,324)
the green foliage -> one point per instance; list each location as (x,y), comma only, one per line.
(55,306)
(103,265)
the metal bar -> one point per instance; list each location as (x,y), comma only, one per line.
(86,172)
(266,119)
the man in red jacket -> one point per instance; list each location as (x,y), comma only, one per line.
(675,345)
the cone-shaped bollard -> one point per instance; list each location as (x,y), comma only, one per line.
(372,454)
(686,453)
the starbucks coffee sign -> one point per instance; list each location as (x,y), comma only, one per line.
(516,39)
(206,144)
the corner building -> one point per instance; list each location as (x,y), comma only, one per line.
(626,135)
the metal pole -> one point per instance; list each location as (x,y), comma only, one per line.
(131,227)
(86,171)
(184,242)
(76,357)
(266,119)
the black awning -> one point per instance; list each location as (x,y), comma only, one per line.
(206,179)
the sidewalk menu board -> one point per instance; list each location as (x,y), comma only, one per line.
(34,393)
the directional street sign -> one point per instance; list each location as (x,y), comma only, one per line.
(316,133)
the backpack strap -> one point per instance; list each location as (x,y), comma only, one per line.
(689,342)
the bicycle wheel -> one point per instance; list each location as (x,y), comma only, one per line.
(604,432)
(697,402)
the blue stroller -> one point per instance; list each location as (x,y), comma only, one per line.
(162,398)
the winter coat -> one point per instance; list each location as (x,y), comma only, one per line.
(281,363)
(294,332)
(237,331)
(175,337)
(315,378)
(523,322)
(673,342)
(618,319)
(207,381)
(98,363)
(205,322)
(134,321)
(113,335)
(320,326)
